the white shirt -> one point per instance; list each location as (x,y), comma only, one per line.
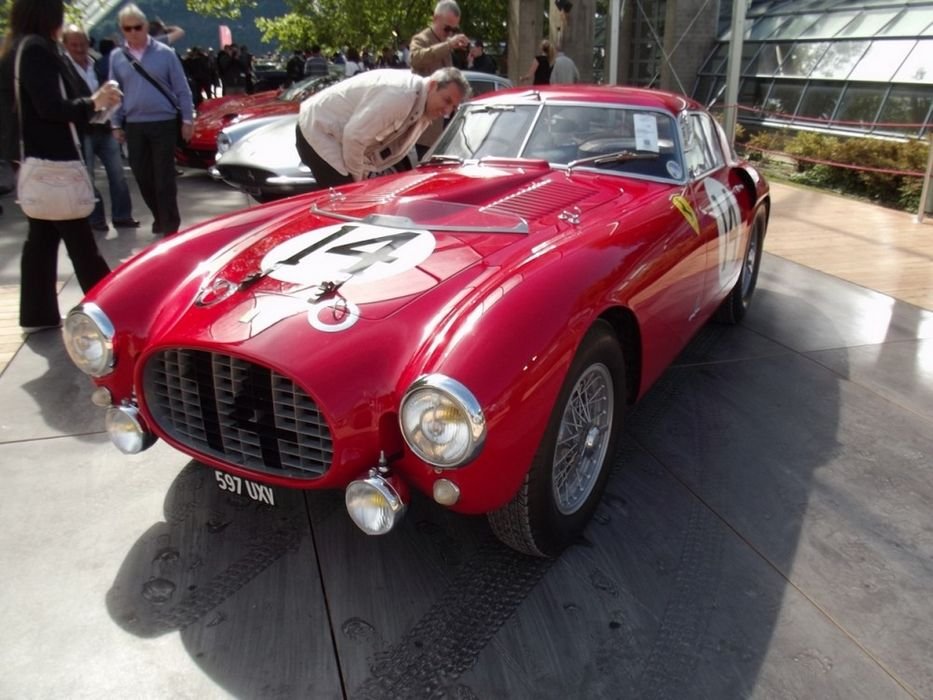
(366,123)
(90,77)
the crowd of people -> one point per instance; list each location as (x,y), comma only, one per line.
(77,103)
(232,70)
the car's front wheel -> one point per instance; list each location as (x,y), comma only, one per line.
(569,471)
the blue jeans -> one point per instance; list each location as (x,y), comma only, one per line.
(100,142)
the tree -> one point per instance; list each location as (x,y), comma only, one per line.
(338,23)
(219,8)
(361,23)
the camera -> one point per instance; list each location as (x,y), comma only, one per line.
(563,5)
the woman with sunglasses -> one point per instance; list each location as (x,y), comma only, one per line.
(433,49)
(44,71)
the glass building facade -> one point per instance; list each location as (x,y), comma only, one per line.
(855,67)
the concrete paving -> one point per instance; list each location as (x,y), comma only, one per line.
(766,534)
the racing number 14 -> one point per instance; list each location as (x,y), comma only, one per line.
(364,258)
(234,484)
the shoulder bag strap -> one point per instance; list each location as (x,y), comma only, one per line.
(19,107)
(155,83)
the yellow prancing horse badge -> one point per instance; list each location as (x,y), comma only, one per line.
(683,206)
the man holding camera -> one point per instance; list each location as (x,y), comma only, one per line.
(432,49)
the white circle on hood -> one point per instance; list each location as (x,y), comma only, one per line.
(348,253)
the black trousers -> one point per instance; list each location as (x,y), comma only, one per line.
(324,174)
(151,147)
(38,300)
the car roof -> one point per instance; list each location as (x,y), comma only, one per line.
(599,94)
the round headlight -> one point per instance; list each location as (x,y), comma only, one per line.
(88,337)
(442,421)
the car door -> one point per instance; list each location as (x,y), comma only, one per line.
(714,201)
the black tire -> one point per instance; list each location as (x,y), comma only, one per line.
(735,306)
(545,516)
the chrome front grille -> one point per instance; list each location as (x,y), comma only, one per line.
(237,411)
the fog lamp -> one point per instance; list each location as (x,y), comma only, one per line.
(374,505)
(126,431)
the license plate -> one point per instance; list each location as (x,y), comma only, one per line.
(245,487)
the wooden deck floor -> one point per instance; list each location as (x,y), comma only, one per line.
(871,246)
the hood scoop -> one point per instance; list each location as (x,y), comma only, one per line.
(541,198)
(388,189)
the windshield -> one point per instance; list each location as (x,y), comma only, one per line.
(565,134)
(307,87)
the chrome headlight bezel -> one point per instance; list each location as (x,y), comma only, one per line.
(224,143)
(89,322)
(441,394)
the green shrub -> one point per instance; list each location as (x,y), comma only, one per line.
(807,148)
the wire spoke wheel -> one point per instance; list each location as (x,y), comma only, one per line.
(568,473)
(583,439)
(749,276)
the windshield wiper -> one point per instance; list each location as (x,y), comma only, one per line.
(491,108)
(617,157)
(442,158)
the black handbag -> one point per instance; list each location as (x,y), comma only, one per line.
(158,86)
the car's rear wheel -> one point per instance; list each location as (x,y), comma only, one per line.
(569,471)
(735,306)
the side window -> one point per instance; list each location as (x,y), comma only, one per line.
(481,87)
(711,136)
(702,151)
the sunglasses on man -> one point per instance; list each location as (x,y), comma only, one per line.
(451,30)
(133,28)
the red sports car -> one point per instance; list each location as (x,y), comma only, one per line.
(472,330)
(214,115)
(234,103)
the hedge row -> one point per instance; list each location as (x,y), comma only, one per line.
(886,188)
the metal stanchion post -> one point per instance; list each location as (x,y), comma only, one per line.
(925,190)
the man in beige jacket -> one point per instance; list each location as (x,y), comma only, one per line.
(432,49)
(368,122)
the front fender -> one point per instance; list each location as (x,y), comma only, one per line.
(512,345)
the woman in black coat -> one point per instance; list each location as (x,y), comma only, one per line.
(46,134)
